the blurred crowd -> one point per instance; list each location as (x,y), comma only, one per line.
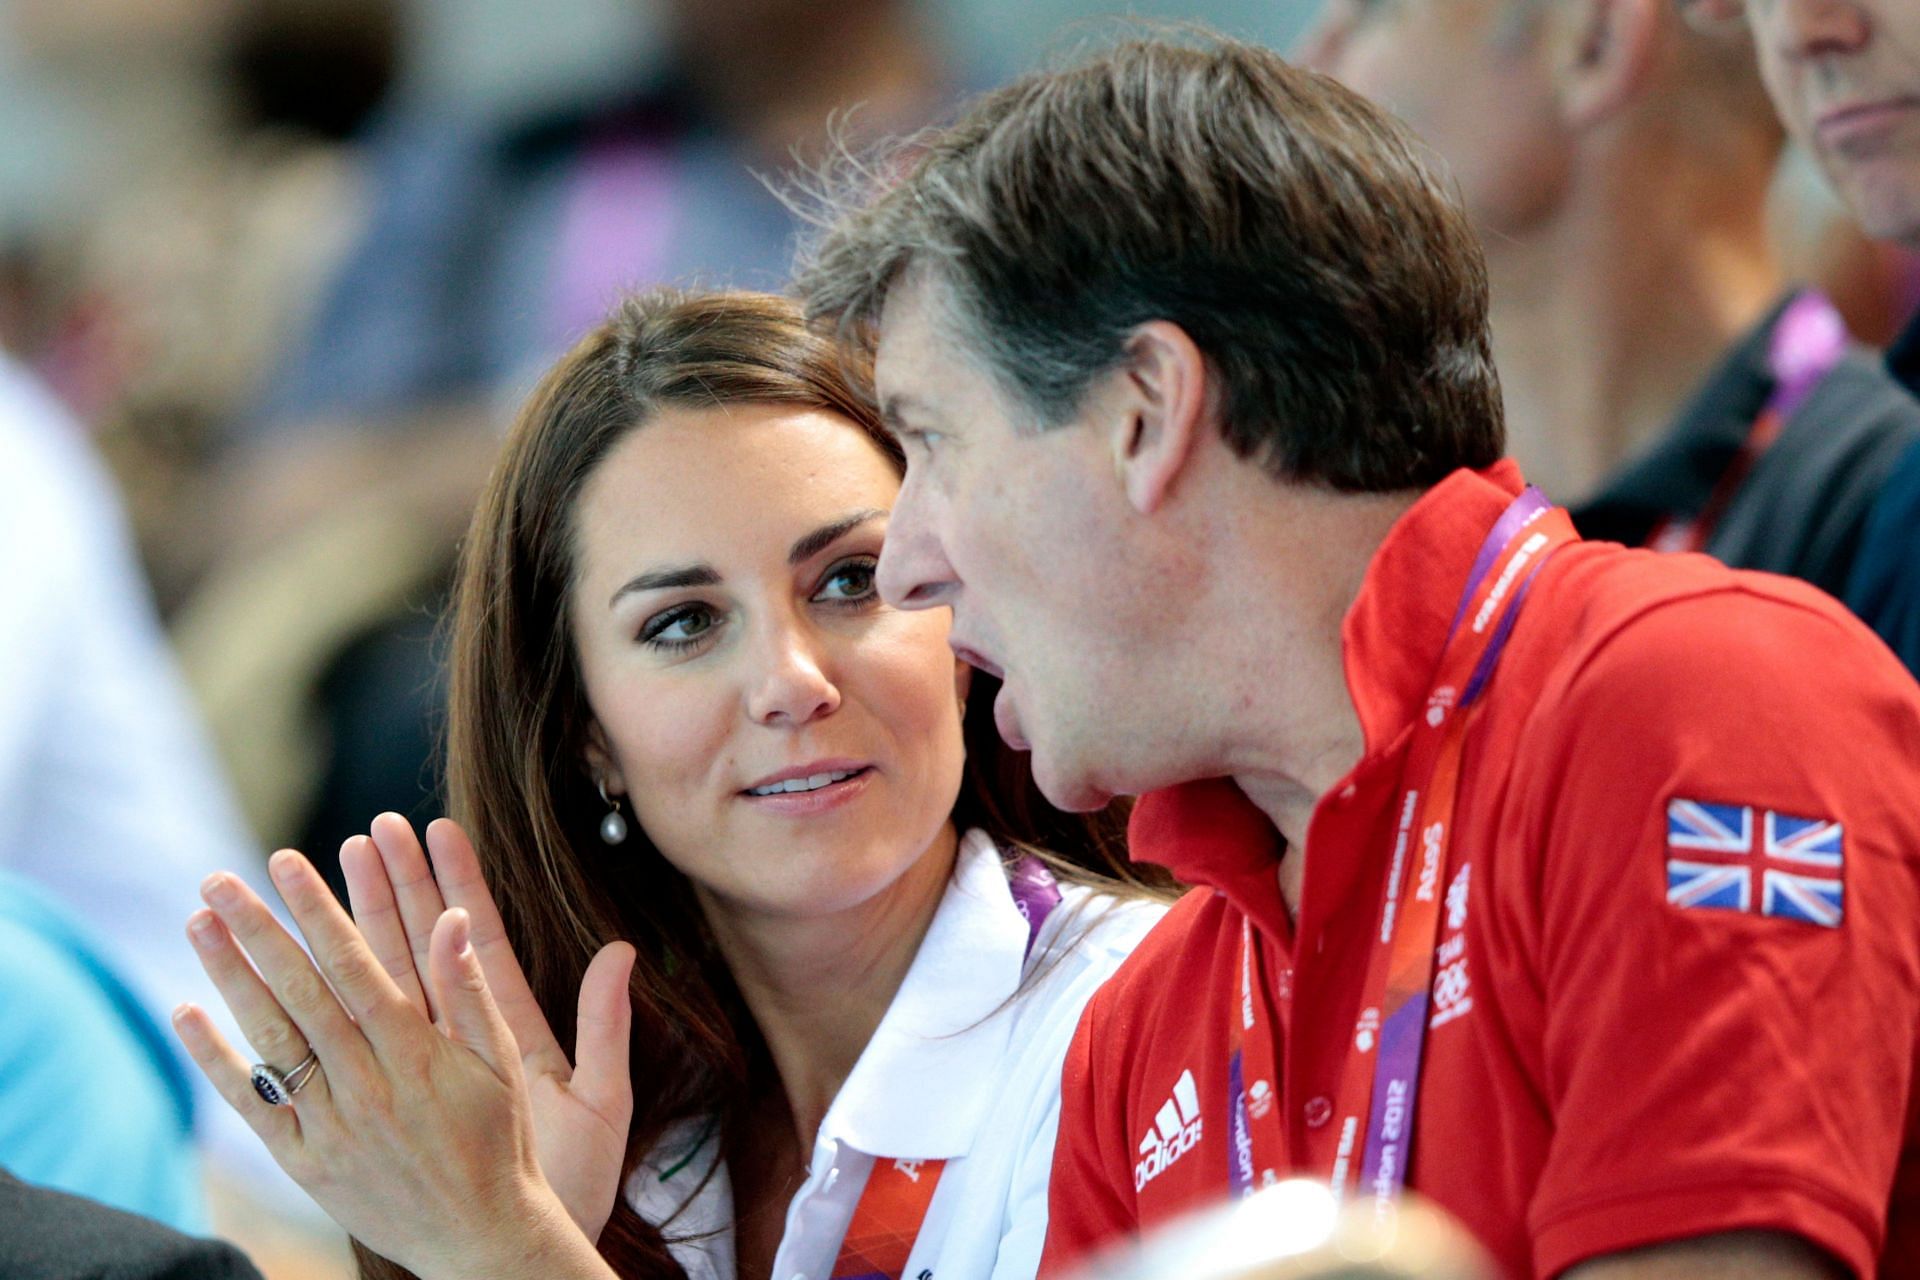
(268,299)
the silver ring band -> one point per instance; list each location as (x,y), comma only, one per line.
(276,1087)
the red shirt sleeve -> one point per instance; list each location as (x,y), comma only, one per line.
(1718,1069)
(1089,1200)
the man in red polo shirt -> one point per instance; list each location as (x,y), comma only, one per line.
(1575,887)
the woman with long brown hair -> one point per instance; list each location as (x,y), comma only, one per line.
(827,943)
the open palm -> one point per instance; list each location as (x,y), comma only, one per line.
(582,1107)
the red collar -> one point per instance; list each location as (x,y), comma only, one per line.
(1207,832)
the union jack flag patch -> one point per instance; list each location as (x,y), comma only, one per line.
(1732,857)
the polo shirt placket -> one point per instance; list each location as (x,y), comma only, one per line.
(964,1067)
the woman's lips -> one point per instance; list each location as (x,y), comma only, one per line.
(800,804)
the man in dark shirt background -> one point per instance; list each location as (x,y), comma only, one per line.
(1845,76)
(1662,375)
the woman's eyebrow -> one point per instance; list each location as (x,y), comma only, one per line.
(812,544)
(703,575)
(694,575)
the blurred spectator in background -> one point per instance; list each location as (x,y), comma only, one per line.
(1846,79)
(54,1236)
(1659,374)
(493,248)
(112,805)
(219,193)
(158,305)
(490,248)
(1875,283)
(92,1097)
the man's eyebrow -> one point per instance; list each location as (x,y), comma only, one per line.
(810,545)
(894,408)
(693,575)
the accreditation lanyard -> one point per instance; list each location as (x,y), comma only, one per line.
(1808,342)
(893,1205)
(1380,1082)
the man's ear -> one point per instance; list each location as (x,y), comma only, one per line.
(598,758)
(1604,55)
(1160,409)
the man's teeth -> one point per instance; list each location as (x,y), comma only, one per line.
(813,783)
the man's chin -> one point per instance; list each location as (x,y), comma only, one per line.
(1883,197)
(1067,791)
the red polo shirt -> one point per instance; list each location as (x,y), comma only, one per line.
(1605,1067)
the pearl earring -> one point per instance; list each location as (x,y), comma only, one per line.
(613,827)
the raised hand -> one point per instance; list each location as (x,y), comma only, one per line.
(417,1140)
(581,1108)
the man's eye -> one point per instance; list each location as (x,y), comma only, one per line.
(849,582)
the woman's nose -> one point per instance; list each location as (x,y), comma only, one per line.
(792,685)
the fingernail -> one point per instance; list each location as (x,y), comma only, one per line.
(202,929)
(462,933)
(181,1012)
(283,866)
(218,889)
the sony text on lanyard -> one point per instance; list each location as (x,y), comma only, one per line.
(1380,1083)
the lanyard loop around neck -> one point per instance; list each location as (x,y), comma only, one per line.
(1379,1086)
(898,1194)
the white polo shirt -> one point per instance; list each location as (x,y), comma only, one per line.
(958,1070)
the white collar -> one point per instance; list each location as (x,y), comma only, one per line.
(923,1082)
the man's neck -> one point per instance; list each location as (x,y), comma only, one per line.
(1607,321)
(1282,579)
(817,987)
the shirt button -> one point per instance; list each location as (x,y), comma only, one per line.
(1283,982)
(1347,792)
(1317,1112)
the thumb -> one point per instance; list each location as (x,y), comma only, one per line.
(460,992)
(605,1019)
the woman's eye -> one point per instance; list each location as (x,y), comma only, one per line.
(680,627)
(850,582)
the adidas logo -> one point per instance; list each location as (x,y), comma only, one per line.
(1176,1131)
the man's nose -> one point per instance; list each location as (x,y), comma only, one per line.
(914,572)
(1811,28)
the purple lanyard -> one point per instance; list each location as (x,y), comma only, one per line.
(1510,560)
(1380,1081)
(1808,342)
(1035,894)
